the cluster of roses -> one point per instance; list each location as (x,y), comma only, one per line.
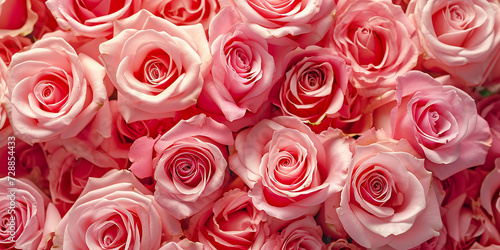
(250,124)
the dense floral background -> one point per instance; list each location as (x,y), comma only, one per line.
(249,124)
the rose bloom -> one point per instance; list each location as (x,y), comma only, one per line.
(115,212)
(290,170)
(156,66)
(313,84)
(184,12)
(489,197)
(441,123)
(489,109)
(184,244)
(378,41)
(286,22)
(388,197)
(10,45)
(54,92)
(231,222)
(25,214)
(188,163)
(91,18)
(460,37)
(242,70)
(16,17)
(300,234)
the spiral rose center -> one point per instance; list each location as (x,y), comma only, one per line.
(239,61)
(51,93)
(368,48)
(375,188)
(158,70)
(190,167)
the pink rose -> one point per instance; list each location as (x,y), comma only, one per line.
(231,222)
(54,92)
(441,123)
(300,234)
(290,170)
(184,244)
(156,66)
(24,214)
(91,18)
(184,12)
(342,244)
(115,212)
(489,109)
(16,17)
(68,176)
(286,23)
(378,41)
(242,69)
(188,163)
(10,45)
(313,84)
(460,37)
(388,197)
(489,197)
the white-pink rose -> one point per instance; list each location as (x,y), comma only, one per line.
(378,41)
(188,163)
(156,66)
(461,37)
(388,198)
(115,212)
(91,18)
(286,22)
(441,123)
(54,92)
(290,170)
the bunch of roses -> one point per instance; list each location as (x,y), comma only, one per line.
(250,124)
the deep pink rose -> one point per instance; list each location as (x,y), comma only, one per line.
(489,198)
(25,212)
(312,85)
(461,37)
(290,170)
(489,109)
(286,22)
(68,176)
(156,66)
(378,41)
(54,92)
(184,12)
(300,234)
(115,212)
(16,17)
(441,123)
(388,197)
(10,45)
(231,222)
(242,70)
(189,164)
(91,18)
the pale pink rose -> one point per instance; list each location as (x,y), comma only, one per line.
(290,22)
(300,234)
(312,85)
(184,12)
(388,197)
(441,123)
(30,163)
(68,176)
(290,170)
(10,45)
(184,244)
(115,212)
(231,222)
(242,70)
(24,214)
(461,37)
(156,66)
(489,109)
(54,92)
(378,41)
(189,164)
(16,17)
(91,18)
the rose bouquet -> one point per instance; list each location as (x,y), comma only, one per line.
(250,124)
